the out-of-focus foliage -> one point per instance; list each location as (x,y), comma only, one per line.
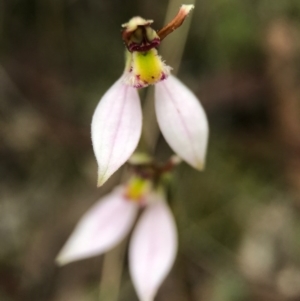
(238,220)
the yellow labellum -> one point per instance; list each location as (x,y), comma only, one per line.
(144,68)
(137,188)
(148,66)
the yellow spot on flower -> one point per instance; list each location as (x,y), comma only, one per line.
(137,189)
(148,66)
(144,68)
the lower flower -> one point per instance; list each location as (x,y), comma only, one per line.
(153,245)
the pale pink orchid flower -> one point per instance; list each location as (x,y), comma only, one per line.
(153,245)
(117,124)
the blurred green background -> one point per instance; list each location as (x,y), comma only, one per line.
(238,220)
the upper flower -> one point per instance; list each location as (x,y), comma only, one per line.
(117,121)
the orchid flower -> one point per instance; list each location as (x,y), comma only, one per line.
(116,130)
(153,244)
(117,121)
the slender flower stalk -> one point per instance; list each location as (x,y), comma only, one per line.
(117,121)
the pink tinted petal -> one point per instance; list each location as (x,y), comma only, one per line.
(182,121)
(100,229)
(116,128)
(152,250)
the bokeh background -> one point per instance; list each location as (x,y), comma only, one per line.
(238,221)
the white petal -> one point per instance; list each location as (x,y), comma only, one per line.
(182,121)
(116,128)
(152,251)
(100,229)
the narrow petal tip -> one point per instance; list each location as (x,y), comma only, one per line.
(199,163)
(66,255)
(200,166)
(102,178)
(61,260)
